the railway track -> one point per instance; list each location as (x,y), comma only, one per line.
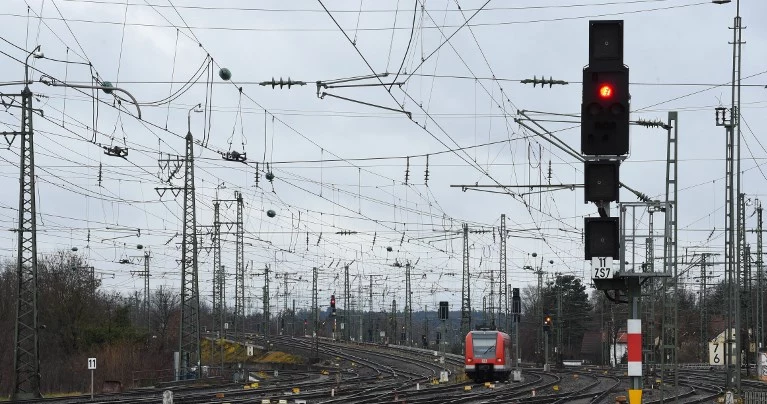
(366,374)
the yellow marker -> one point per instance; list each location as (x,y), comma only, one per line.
(246,387)
(296,390)
(487,384)
(635,396)
(556,388)
(254,385)
(466,388)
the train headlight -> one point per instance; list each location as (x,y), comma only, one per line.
(498,359)
(468,359)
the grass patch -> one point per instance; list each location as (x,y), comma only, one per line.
(236,353)
(65,394)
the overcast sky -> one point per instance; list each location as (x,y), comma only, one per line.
(341,166)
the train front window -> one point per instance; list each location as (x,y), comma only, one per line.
(484,346)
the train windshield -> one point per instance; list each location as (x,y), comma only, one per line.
(484,345)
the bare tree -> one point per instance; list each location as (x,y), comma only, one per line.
(164,307)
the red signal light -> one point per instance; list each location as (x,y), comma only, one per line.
(605,91)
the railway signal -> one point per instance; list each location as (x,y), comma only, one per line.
(605,106)
(333,305)
(604,133)
(444,310)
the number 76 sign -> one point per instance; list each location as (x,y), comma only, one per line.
(601,267)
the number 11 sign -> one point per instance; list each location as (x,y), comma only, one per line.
(601,267)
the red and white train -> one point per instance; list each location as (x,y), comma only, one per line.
(488,356)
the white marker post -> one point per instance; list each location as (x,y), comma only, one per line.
(92,368)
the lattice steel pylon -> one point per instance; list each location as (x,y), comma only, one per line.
(465,285)
(347,305)
(26,363)
(219,271)
(503,286)
(239,269)
(759,331)
(743,275)
(145,274)
(394,327)
(189,334)
(702,303)
(732,213)
(648,299)
(668,341)
(409,307)
(315,315)
(219,302)
(266,301)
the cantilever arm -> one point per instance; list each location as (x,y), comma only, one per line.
(48,80)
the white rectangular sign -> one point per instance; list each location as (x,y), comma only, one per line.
(91,363)
(601,267)
(715,353)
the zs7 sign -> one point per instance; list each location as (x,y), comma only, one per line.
(601,267)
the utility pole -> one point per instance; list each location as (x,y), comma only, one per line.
(266,301)
(347,305)
(395,330)
(145,275)
(491,309)
(703,309)
(559,319)
(670,282)
(218,284)
(426,315)
(26,361)
(538,271)
(219,273)
(315,315)
(147,255)
(746,298)
(759,331)
(239,269)
(731,122)
(465,285)
(361,306)
(408,308)
(189,333)
(189,336)
(285,293)
(503,291)
(370,310)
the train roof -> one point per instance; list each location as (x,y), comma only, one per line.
(486,332)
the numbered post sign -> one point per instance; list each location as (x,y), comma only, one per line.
(91,363)
(601,267)
(715,353)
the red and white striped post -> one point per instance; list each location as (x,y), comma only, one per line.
(634,340)
(634,346)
